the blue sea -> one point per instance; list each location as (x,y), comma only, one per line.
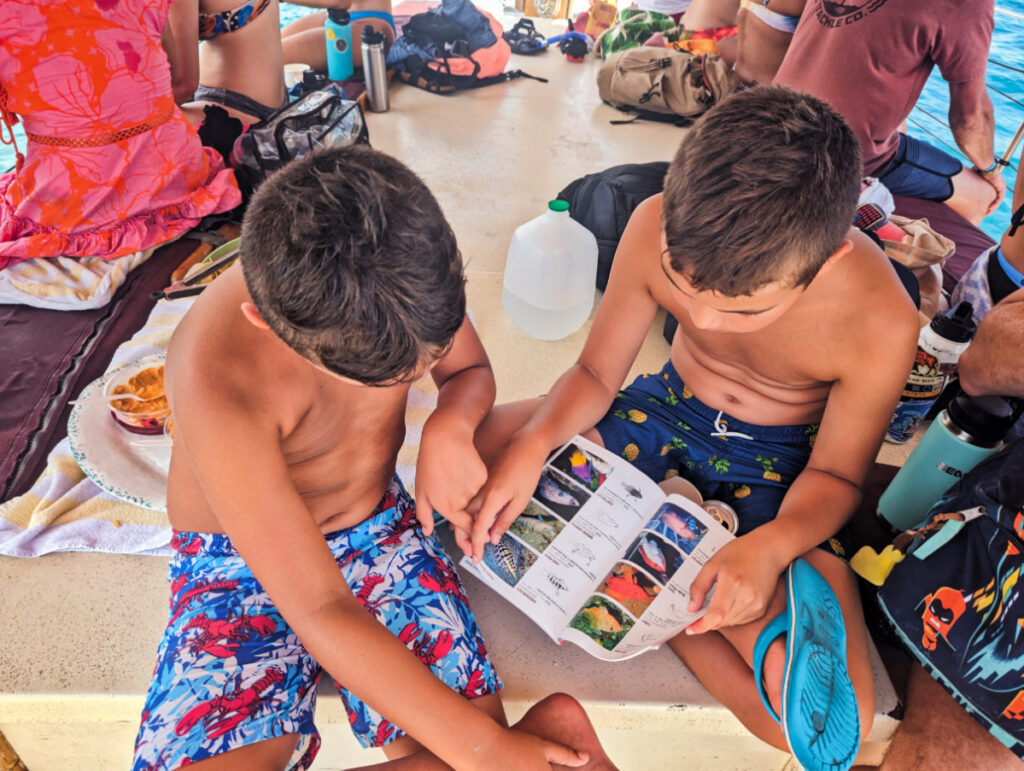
(929,117)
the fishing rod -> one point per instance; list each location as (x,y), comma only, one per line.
(1005,160)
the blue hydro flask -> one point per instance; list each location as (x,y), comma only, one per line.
(338,32)
(965,433)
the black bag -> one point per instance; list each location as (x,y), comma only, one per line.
(604,202)
(323,118)
(437,31)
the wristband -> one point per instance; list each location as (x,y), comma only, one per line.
(990,169)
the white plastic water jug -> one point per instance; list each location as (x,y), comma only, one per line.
(550,274)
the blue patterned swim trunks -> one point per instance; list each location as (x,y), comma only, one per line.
(230,671)
(664,430)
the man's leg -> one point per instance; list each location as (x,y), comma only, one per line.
(972,196)
(302,41)
(938,733)
(729,676)
(920,170)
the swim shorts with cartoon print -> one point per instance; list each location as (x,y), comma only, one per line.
(664,430)
(231,672)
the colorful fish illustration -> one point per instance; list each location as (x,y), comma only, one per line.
(625,589)
(581,466)
(679,526)
(601,619)
(552,492)
(652,554)
(506,559)
(539,526)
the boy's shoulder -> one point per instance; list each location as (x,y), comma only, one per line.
(864,289)
(216,351)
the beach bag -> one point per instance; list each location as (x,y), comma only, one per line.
(452,48)
(633,29)
(663,84)
(954,598)
(924,251)
(323,118)
(604,202)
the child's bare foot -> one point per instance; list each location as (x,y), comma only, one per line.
(560,718)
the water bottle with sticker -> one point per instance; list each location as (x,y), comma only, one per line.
(938,349)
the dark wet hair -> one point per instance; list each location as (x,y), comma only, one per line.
(350,261)
(764,188)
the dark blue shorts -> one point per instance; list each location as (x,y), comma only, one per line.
(664,430)
(919,170)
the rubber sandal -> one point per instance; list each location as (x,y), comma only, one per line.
(524,38)
(819,707)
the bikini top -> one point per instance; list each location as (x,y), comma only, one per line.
(213,24)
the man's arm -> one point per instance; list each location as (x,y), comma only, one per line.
(244,477)
(449,471)
(827,492)
(994,361)
(582,395)
(972,121)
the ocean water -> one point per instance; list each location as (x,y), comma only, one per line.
(928,119)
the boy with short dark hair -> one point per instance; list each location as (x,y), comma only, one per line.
(794,340)
(296,545)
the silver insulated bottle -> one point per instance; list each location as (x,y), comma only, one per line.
(375,70)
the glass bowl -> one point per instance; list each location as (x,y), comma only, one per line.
(144,378)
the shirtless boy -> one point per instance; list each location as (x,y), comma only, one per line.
(795,337)
(296,546)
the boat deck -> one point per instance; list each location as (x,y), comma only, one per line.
(79,631)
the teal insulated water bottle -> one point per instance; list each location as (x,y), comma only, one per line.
(965,433)
(338,32)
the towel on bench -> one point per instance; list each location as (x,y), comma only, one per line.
(65,511)
(67,283)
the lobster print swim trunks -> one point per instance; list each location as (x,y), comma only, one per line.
(230,671)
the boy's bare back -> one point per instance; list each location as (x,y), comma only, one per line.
(339,440)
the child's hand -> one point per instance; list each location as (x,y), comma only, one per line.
(509,486)
(449,473)
(746,575)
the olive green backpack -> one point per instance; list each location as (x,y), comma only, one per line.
(664,84)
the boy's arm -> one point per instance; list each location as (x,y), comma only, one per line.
(582,395)
(449,471)
(245,479)
(827,492)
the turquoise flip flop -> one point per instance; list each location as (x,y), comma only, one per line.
(819,706)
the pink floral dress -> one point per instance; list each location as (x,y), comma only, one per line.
(112,166)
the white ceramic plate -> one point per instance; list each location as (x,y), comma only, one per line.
(103,450)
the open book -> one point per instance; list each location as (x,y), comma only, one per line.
(601,557)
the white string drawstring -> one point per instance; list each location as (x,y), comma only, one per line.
(720,427)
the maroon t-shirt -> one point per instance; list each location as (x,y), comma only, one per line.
(870,59)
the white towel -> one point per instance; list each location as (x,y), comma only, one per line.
(66,511)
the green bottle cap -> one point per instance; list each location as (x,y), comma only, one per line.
(558,205)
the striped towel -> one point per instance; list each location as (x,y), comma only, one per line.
(67,283)
(66,511)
